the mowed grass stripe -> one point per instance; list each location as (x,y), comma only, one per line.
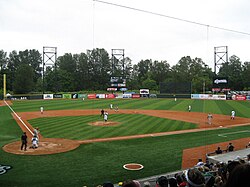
(77,126)
(198,105)
(241,109)
(130,127)
(224,107)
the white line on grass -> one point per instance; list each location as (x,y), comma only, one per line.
(18,117)
(237,132)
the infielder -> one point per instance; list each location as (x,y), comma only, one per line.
(232,114)
(105,117)
(189,108)
(209,118)
(41,110)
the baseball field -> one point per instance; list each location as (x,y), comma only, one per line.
(78,149)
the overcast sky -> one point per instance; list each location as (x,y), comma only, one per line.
(74,26)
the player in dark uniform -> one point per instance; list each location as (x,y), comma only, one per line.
(24,141)
(102,113)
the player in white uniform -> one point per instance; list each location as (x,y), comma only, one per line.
(111,106)
(209,118)
(232,114)
(189,108)
(105,117)
(41,110)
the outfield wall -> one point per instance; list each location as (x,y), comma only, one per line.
(208,96)
(126,95)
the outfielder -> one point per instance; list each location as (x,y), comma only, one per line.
(232,114)
(189,108)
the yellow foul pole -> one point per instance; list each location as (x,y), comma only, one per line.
(4,86)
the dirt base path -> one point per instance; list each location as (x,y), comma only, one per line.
(50,146)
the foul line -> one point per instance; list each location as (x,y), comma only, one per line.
(223,135)
(18,117)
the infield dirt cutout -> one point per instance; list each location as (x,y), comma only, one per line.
(54,145)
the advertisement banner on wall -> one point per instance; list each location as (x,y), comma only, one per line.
(80,96)
(208,96)
(248,97)
(239,97)
(127,95)
(110,96)
(100,96)
(74,96)
(136,96)
(119,96)
(47,96)
(66,96)
(58,96)
(91,96)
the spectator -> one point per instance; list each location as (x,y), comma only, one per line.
(172,182)
(108,184)
(218,151)
(230,147)
(162,182)
(239,177)
(248,145)
(129,183)
(146,184)
(180,180)
(231,165)
(218,181)
(200,162)
(195,178)
(248,158)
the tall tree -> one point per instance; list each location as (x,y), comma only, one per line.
(159,71)
(99,68)
(23,82)
(192,70)
(3,60)
(246,75)
(233,70)
(67,64)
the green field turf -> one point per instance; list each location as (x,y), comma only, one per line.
(92,164)
(77,127)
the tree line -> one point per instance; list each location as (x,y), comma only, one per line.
(92,71)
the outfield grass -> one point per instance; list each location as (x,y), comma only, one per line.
(94,163)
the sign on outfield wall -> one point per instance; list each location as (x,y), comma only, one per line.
(66,96)
(136,95)
(109,96)
(100,96)
(208,96)
(74,96)
(57,96)
(239,97)
(91,96)
(47,96)
(80,96)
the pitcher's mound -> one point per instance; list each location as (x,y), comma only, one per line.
(46,146)
(103,123)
